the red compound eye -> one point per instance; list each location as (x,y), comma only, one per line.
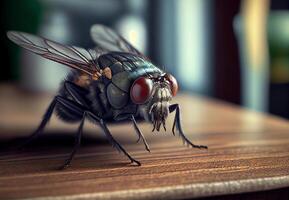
(173,84)
(141,90)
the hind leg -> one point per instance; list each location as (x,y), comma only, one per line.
(42,125)
(57,100)
(75,92)
(71,106)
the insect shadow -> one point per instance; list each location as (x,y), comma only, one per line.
(61,141)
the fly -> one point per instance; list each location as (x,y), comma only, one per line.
(111,82)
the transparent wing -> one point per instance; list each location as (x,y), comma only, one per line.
(109,40)
(74,57)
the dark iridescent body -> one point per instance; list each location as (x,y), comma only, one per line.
(110,98)
(112,82)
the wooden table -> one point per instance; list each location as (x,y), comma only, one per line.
(248,152)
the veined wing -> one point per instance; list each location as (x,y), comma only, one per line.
(109,40)
(74,57)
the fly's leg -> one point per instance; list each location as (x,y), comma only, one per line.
(68,104)
(41,126)
(76,144)
(74,91)
(110,138)
(139,133)
(78,110)
(105,129)
(178,126)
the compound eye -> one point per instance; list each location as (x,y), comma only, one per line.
(173,83)
(141,90)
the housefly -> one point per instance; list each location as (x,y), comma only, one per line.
(111,82)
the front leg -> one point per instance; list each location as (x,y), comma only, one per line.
(139,133)
(178,126)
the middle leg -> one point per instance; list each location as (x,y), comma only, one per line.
(76,143)
(81,110)
(111,139)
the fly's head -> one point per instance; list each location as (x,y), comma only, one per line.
(153,95)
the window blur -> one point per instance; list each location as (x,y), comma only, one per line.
(237,51)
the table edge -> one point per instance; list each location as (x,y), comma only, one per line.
(195,190)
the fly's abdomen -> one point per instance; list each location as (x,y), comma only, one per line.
(67,115)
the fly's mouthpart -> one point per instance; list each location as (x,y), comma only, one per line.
(158,113)
(159,110)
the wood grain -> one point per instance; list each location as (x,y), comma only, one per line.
(248,152)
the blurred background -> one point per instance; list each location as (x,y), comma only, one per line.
(236,51)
